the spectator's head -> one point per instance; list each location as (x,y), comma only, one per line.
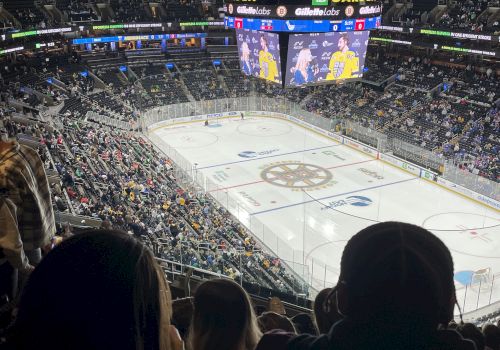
(223,318)
(276,305)
(471,332)
(325,310)
(269,321)
(399,272)
(182,311)
(491,336)
(304,324)
(97,290)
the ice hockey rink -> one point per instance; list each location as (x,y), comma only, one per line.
(305,195)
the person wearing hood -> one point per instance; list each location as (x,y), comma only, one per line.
(395,292)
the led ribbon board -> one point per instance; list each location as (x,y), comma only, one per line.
(306,11)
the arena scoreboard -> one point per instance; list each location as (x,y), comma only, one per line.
(303,26)
(302,42)
(303,15)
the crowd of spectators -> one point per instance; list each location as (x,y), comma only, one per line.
(104,175)
(130,11)
(432,105)
(464,16)
(79,12)
(133,306)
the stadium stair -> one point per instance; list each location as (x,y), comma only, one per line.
(5,14)
(54,13)
(185,88)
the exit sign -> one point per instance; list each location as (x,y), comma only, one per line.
(320,2)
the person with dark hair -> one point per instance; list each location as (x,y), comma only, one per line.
(97,290)
(267,62)
(304,324)
(325,310)
(491,337)
(471,332)
(344,63)
(269,321)
(182,311)
(223,318)
(395,291)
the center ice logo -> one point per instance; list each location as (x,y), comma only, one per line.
(252,154)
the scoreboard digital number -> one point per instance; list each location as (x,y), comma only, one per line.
(303,26)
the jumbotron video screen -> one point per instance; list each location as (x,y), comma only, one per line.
(321,57)
(259,54)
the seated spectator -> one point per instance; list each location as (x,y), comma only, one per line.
(276,305)
(182,311)
(471,332)
(491,337)
(223,318)
(325,310)
(269,321)
(96,290)
(304,324)
(395,290)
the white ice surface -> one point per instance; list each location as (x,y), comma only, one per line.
(300,227)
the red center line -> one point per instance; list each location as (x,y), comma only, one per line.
(256,182)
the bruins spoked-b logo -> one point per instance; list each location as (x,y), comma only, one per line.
(297,175)
(281,11)
(349,11)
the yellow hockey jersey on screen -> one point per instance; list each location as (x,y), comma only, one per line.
(343,65)
(268,66)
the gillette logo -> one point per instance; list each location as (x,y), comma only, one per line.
(316,12)
(369,10)
(246,10)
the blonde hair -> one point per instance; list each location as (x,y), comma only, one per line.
(245,50)
(303,59)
